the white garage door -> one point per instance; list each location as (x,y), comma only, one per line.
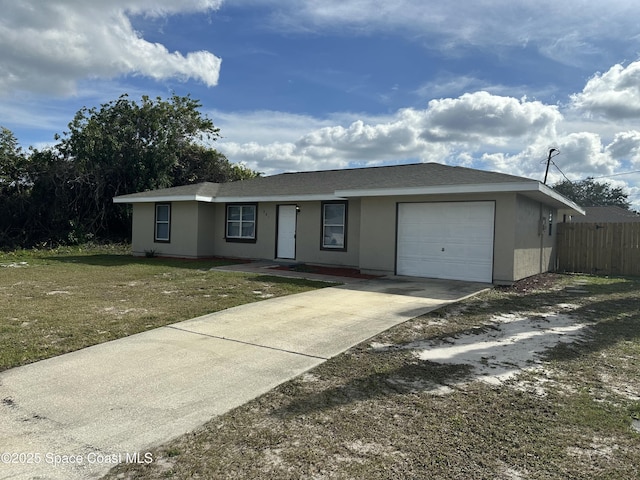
(452,240)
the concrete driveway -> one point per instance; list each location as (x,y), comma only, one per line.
(76,415)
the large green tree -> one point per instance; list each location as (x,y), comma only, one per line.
(121,147)
(11,159)
(124,147)
(589,193)
(14,189)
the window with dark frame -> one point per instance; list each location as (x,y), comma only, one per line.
(334,226)
(241,222)
(163,222)
(550,221)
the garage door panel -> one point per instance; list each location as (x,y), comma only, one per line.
(452,240)
(466,253)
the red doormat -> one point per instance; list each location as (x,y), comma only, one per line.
(334,271)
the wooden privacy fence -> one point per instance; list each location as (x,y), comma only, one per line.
(599,248)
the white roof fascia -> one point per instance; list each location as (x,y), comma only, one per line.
(440,189)
(198,198)
(533,186)
(165,198)
(561,198)
(278,198)
(524,187)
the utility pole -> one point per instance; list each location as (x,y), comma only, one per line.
(548,162)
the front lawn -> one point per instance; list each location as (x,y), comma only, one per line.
(383,410)
(57,301)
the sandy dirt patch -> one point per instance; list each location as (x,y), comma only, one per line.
(507,345)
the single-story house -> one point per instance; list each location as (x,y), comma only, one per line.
(424,220)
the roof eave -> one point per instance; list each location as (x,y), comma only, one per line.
(278,198)
(226,199)
(558,200)
(437,189)
(162,198)
(533,189)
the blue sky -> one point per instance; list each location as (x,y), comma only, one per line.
(306,85)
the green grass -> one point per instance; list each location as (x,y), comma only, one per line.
(372,413)
(57,301)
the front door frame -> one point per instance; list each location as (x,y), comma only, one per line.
(285,239)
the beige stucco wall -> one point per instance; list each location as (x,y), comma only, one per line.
(534,248)
(309,232)
(378,231)
(308,228)
(142,228)
(183,234)
(197,230)
(262,248)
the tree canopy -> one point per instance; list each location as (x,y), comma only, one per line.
(13,186)
(64,193)
(589,193)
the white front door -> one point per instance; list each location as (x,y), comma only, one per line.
(286,244)
(452,240)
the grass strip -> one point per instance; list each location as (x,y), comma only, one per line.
(58,301)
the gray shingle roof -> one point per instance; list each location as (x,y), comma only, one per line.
(397,176)
(607,214)
(328,181)
(205,189)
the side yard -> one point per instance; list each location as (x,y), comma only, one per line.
(54,302)
(539,381)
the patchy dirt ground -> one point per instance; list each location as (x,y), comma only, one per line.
(535,381)
(508,344)
(544,282)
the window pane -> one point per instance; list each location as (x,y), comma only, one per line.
(333,237)
(248,229)
(249,213)
(162,231)
(241,222)
(233,229)
(334,214)
(234,212)
(162,213)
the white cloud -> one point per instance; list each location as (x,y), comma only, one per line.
(626,146)
(476,130)
(582,154)
(447,130)
(275,157)
(569,32)
(585,152)
(490,119)
(265,126)
(50,46)
(448,84)
(614,94)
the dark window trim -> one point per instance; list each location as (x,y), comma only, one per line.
(226,223)
(346,222)
(155,223)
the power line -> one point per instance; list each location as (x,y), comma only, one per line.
(616,174)
(565,177)
(550,161)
